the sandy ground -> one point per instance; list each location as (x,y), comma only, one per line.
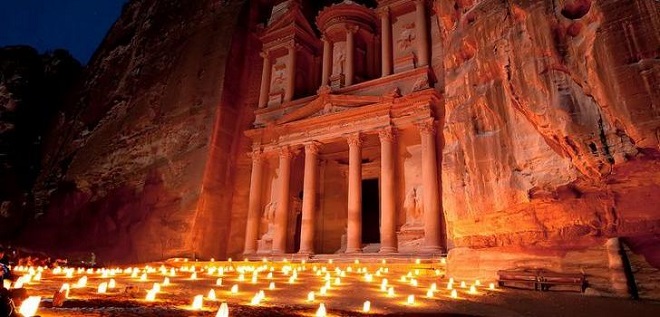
(344,299)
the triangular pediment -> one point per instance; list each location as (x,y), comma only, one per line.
(326,104)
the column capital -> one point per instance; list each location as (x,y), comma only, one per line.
(257,155)
(265,54)
(426,127)
(312,147)
(383,12)
(354,139)
(350,28)
(325,38)
(286,152)
(292,46)
(387,134)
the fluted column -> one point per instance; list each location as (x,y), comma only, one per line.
(431,200)
(310,187)
(350,54)
(386,42)
(388,240)
(265,80)
(254,204)
(354,219)
(282,211)
(290,73)
(327,61)
(422,33)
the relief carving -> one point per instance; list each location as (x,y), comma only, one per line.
(279,78)
(339,58)
(407,36)
(414,208)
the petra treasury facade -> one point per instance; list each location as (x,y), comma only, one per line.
(344,143)
(500,134)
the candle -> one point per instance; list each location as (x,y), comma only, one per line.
(198,302)
(321,311)
(366,307)
(223,311)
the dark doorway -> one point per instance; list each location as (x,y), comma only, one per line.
(296,236)
(370,211)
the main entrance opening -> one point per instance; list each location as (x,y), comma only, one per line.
(370,211)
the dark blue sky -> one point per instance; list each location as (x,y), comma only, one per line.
(75,25)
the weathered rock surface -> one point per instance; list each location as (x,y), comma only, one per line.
(33,88)
(551,127)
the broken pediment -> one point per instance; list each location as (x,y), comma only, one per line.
(327,103)
(287,19)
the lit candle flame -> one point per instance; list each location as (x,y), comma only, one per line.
(103,287)
(366,307)
(390,292)
(271,286)
(310,296)
(321,311)
(411,300)
(112,284)
(234,289)
(491,286)
(151,295)
(30,306)
(223,311)
(166,281)
(473,290)
(65,288)
(198,302)
(218,282)
(81,282)
(454,294)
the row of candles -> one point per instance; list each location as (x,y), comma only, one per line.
(288,271)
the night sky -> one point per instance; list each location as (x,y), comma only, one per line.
(78,26)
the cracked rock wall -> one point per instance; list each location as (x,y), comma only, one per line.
(551,128)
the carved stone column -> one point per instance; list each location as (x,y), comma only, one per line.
(388,240)
(431,199)
(422,33)
(310,187)
(327,61)
(254,205)
(265,80)
(386,42)
(350,54)
(282,212)
(290,73)
(354,219)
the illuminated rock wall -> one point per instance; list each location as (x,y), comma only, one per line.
(551,131)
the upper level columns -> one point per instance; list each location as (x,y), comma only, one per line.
(354,219)
(290,73)
(254,205)
(386,42)
(282,211)
(265,80)
(422,33)
(310,188)
(431,199)
(327,61)
(350,54)
(388,240)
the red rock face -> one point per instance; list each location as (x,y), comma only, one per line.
(551,127)
(549,136)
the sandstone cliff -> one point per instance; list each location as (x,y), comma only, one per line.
(551,131)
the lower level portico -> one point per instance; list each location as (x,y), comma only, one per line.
(347,174)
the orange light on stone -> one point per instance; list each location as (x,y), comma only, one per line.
(366,307)
(310,296)
(211,295)
(454,294)
(491,286)
(103,288)
(223,311)
(30,306)
(320,312)
(198,302)
(411,300)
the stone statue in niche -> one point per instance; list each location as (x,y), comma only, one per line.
(269,218)
(279,77)
(407,36)
(414,207)
(339,58)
